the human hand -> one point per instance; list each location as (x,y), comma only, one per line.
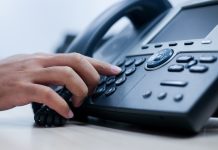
(24,79)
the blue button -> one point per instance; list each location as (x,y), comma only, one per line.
(159,58)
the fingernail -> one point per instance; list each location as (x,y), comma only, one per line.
(115,69)
(70,114)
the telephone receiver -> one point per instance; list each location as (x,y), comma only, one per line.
(168,57)
(139,12)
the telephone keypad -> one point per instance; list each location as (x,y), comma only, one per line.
(198,69)
(110,80)
(176,83)
(129,62)
(189,43)
(176,68)
(147,94)
(191,63)
(162,95)
(121,62)
(178,97)
(130,71)
(207,59)
(139,61)
(120,80)
(184,59)
(110,91)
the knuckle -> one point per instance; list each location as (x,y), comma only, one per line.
(48,94)
(83,92)
(68,71)
(78,57)
(96,79)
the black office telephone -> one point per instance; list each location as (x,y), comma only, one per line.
(169,64)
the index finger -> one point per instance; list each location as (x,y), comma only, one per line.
(103,67)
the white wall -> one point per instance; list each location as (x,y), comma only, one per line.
(40,25)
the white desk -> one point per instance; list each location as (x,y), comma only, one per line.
(17,131)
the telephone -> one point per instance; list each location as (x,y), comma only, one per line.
(168,57)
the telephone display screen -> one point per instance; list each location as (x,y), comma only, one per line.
(189,23)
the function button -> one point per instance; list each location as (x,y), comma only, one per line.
(110,80)
(139,61)
(159,58)
(110,91)
(99,91)
(207,59)
(121,62)
(189,43)
(178,97)
(130,71)
(120,80)
(184,59)
(176,68)
(129,62)
(191,63)
(174,83)
(198,69)
(145,47)
(206,42)
(162,96)
(147,94)
(172,44)
(102,80)
(158,45)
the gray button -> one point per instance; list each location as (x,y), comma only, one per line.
(184,59)
(206,42)
(174,83)
(207,59)
(198,69)
(176,68)
(159,58)
(147,94)
(178,97)
(162,96)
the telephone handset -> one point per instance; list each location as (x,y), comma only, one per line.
(168,62)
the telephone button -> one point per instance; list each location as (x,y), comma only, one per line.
(189,43)
(176,68)
(139,61)
(158,45)
(121,62)
(129,62)
(184,59)
(172,44)
(162,96)
(99,91)
(110,80)
(110,91)
(123,69)
(130,71)
(102,80)
(174,83)
(178,98)
(145,47)
(121,80)
(147,94)
(191,63)
(199,69)
(207,59)
(159,58)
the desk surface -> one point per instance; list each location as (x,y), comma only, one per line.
(17,131)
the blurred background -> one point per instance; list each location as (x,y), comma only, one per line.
(28,26)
